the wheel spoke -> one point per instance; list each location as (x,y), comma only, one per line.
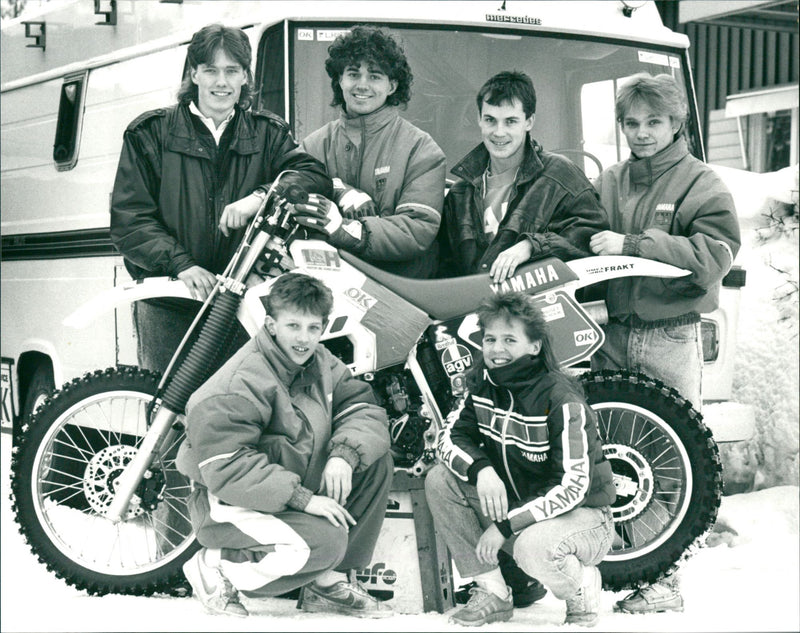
(652,492)
(79,461)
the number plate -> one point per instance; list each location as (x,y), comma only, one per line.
(8,404)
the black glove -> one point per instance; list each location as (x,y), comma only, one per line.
(320,214)
(354,203)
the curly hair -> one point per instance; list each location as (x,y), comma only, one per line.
(519,306)
(661,93)
(371,45)
(203,49)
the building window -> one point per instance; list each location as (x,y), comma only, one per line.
(779,141)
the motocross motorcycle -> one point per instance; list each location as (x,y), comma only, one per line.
(94,484)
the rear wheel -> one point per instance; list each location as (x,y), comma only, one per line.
(63,481)
(667,474)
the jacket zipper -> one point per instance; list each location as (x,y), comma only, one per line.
(361,152)
(503,446)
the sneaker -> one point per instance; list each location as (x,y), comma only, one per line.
(345,598)
(209,584)
(584,606)
(483,607)
(653,598)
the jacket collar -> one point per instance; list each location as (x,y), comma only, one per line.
(184,138)
(520,373)
(645,171)
(369,123)
(472,166)
(287,371)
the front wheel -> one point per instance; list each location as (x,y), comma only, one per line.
(667,474)
(63,478)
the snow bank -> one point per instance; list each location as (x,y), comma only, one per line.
(766,373)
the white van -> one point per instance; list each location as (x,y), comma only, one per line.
(76,74)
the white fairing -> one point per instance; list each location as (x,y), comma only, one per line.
(590,270)
(343,280)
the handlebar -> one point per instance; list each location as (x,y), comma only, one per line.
(294,194)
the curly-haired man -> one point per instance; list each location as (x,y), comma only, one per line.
(389,175)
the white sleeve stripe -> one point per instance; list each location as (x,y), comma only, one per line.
(454,457)
(350,409)
(574,485)
(215,458)
(730,253)
(419,206)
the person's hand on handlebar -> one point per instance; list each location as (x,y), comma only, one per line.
(237,214)
(321,214)
(353,203)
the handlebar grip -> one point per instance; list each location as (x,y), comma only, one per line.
(293,193)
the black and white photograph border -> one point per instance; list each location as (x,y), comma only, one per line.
(746,574)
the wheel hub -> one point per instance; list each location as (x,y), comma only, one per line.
(633,480)
(101,475)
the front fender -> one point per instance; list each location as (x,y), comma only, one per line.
(128,292)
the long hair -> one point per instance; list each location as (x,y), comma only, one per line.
(203,49)
(661,93)
(518,305)
(370,45)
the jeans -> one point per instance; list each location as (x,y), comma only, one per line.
(160,329)
(553,551)
(673,355)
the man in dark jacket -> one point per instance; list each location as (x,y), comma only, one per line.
(514,202)
(522,470)
(189,178)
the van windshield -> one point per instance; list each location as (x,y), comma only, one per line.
(575,81)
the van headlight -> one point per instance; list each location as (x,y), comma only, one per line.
(709,331)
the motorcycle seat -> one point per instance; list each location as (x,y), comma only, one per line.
(441,299)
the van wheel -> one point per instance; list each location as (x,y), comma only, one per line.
(64,475)
(667,474)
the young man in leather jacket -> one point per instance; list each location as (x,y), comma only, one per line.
(514,202)
(190,176)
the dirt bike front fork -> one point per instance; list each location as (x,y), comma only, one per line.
(160,434)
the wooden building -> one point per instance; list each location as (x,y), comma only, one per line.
(745,63)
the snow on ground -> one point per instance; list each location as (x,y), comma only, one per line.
(767,368)
(747,582)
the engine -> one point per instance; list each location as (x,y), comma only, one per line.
(412,425)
